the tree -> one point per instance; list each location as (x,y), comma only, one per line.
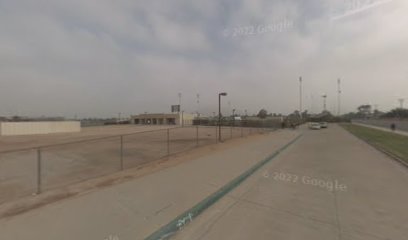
(377,113)
(364,110)
(262,113)
(294,115)
(397,113)
(305,115)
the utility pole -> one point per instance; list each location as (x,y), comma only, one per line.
(179,95)
(338,97)
(300,97)
(180,113)
(198,103)
(198,108)
(219,114)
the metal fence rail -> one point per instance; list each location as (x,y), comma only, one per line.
(400,124)
(32,171)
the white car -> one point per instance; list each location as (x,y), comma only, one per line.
(324,125)
(314,126)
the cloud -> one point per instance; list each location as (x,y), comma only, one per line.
(92,58)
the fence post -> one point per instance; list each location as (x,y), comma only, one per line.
(230,132)
(121,152)
(197,136)
(38,170)
(168,142)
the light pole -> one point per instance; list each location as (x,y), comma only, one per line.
(179,95)
(324,96)
(219,114)
(233,117)
(182,118)
(198,109)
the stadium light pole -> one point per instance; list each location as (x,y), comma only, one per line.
(300,97)
(233,117)
(219,114)
(324,96)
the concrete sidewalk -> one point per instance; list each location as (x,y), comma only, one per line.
(328,185)
(135,209)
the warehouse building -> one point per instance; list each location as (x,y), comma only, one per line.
(180,119)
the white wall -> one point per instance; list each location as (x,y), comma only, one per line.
(187,118)
(30,128)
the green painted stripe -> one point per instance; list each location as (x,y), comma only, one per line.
(172,227)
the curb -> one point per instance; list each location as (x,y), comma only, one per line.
(168,230)
(389,154)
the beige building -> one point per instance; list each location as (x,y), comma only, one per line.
(33,128)
(163,119)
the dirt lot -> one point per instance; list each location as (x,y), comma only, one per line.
(23,142)
(96,151)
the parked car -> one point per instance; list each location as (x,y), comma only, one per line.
(314,126)
(324,125)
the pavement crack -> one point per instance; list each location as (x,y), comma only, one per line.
(162,209)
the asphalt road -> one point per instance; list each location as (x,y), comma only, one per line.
(328,185)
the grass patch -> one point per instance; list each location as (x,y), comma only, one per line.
(393,143)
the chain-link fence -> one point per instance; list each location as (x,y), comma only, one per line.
(400,124)
(31,171)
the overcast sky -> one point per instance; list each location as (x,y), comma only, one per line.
(99,58)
